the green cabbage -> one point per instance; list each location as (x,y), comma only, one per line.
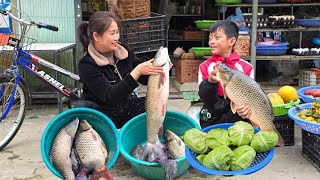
(243,157)
(201,157)
(241,133)
(263,141)
(219,158)
(196,140)
(217,137)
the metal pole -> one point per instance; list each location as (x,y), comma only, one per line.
(254,35)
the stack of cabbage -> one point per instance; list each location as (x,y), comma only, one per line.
(232,149)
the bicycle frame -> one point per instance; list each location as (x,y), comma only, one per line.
(23,59)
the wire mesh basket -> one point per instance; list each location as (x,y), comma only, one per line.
(8,45)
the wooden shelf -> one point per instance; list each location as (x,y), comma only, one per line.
(298,28)
(284,57)
(272,5)
(279,58)
(185,39)
(186,15)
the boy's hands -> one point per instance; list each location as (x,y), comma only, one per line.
(244,111)
(213,77)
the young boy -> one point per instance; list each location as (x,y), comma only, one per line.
(216,109)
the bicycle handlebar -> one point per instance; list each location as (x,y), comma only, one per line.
(29,23)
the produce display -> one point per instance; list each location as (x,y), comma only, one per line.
(232,149)
(312,92)
(286,94)
(311,115)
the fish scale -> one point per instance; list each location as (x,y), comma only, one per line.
(89,148)
(242,90)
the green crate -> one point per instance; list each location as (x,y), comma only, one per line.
(282,109)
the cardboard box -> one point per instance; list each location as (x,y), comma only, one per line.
(187,70)
(193,35)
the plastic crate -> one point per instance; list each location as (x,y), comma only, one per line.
(285,127)
(310,148)
(282,109)
(308,78)
(144,34)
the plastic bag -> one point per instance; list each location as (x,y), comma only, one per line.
(238,18)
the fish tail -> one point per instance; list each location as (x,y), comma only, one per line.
(102,172)
(170,168)
(280,140)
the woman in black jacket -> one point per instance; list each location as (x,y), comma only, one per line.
(110,71)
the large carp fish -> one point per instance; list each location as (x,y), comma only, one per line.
(243,90)
(156,106)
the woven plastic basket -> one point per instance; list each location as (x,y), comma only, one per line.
(260,161)
(305,98)
(282,109)
(306,125)
(130,9)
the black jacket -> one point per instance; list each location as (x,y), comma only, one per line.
(109,86)
(215,108)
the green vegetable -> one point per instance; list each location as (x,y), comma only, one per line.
(241,133)
(243,157)
(217,137)
(196,140)
(263,141)
(219,158)
(201,157)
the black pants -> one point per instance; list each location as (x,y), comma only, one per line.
(121,113)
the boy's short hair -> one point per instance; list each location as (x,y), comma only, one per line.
(229,27)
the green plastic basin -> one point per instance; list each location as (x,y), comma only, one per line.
(134,132)
(204,24)
(99,121)
(202,51)
(228,1)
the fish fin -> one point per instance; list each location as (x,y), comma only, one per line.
(164,109)
(162,79)
(280,140)
(83,174)
(254,124)
(170,168)
(102,172)
(160,132)
(233,107)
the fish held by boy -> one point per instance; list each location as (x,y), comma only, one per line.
(243,90)
(156,106)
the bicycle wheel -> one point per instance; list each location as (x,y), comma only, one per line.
(10,125)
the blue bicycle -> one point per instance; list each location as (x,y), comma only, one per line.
(14,93)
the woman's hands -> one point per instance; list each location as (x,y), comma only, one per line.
(145,68)
(244,111)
